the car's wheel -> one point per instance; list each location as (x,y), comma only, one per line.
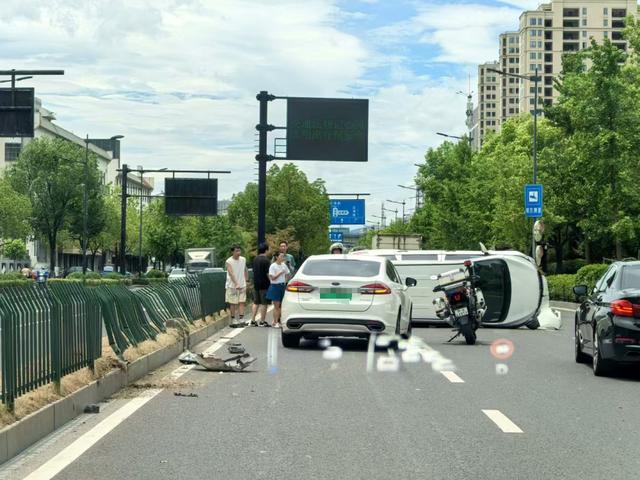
(580,356)
(407,334)
(290,340)
(601,367)
(533,324)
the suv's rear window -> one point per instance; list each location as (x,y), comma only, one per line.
(341,268)
(459,256)
(630,277)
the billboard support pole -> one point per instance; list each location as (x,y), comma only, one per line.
(263,128)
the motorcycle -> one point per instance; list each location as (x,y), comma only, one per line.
(463,305)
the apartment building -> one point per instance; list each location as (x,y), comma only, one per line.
(544,36)
(561,27)
(489,103)
(509,86)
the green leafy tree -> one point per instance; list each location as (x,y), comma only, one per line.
(15,249)
(49,173)
(15,212)
(292,202)
(162,234)
(217,232)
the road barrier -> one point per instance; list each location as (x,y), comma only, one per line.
(53,329)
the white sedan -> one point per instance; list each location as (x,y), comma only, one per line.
(345,296)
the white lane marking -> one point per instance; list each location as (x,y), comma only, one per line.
(452,376)
(502,421)
(71,453)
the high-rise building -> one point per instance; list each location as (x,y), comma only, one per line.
(509,86)
(488,101)
(544,36)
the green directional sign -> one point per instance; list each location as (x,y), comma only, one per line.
(330,129)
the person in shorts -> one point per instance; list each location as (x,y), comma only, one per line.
(236,285)
(261,284)
(288,258)
(278,272)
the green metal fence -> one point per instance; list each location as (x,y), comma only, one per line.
(51,330)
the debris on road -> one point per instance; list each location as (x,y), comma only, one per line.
(235,348)
(93,408)
(180,394)
(188,358)
(237,363)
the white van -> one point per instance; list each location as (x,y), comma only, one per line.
(515,291)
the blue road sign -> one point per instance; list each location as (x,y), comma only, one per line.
(346,212)
(533,201)
(336,236)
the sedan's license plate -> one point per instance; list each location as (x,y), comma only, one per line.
(461,312)
(335,294)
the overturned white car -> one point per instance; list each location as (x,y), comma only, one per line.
(515,292)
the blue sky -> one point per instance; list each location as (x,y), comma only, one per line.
(178,78)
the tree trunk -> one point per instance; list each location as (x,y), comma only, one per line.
(618,249)
(558,247)
(587,251)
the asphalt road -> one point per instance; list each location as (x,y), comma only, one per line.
(298,415)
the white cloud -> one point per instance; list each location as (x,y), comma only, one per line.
(178,78)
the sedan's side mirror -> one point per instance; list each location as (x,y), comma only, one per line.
(580,290)
(410,282)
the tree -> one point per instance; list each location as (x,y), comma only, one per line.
(292,202)
(217,232)
(15,212)
(163,234)
(15,250)
(49,172)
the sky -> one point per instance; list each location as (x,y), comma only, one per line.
(178,78)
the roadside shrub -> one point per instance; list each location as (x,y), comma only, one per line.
(113,276)
(156,274)
(79,276)
(12,276)
(561,287)
(590,274)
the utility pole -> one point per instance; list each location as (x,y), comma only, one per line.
(263,128)
(123,220)
(85,208)
(140,230)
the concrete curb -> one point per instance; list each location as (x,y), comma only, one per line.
(25,432)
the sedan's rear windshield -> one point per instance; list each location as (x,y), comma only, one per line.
(630,277)
(420,256)
(341,268)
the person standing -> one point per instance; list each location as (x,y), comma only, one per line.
(278,272)
(236,285)
(288,258)
(261,284)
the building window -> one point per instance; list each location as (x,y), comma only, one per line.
(619,12)
(532,55)
(584,44)
(540,21)
(584,10)
(548,23)
(548,92)
(617,23)
(11,151)
(532,21)
(584,22)
(570,12)
(605,11)
(605,23)
(533,44)
(539,44)
(606,34)
(584,34)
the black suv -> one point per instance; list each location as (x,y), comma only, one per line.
(607,324)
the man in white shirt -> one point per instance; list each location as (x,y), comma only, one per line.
(236,286)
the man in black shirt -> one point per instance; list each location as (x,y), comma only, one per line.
(261,283)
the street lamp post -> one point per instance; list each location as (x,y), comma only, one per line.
(535,79)
(140,228)
(403,203)
(85,207)
(418,196)
(392,211)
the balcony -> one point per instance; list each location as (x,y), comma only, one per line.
(618,12)
(548,69)
(571,47)
(548,23)
(617,24)
(616,36)
(548,47)
(571,35)
(571,23)
(548,57)
(571,12)
(621,46)
(548,80)
(548,35)
(548,92)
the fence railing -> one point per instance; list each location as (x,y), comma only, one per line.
(50,330)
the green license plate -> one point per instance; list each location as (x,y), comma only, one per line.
(336,294)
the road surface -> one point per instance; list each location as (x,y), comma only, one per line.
(298,415)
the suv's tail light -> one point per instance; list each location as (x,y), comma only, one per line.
(624,308)
(299,287)
(375,289)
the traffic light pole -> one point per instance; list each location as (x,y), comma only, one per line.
(263,128)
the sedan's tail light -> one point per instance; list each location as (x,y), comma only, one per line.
(375,289)
(624,340)
(624,308)
(299,287)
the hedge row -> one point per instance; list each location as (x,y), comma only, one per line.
(561,286)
